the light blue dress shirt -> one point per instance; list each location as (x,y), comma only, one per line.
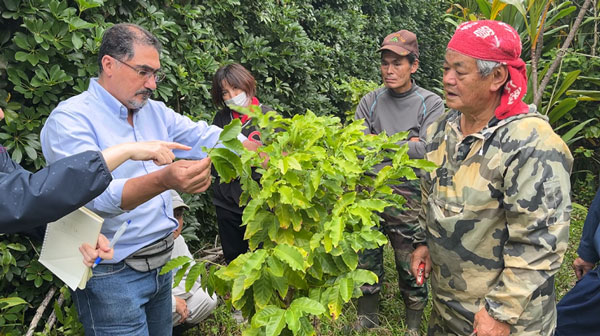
(95,120)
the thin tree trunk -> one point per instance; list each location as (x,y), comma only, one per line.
(561,53)
(52,317)
(535,58)
(40,311)
(595,29)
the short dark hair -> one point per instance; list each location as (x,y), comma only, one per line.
(411,57)
(119,40)
(236,76)
(178,212)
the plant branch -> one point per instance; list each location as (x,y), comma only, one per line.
(40,311)
(595,29)
(535,57)
(561,53)
(52,317)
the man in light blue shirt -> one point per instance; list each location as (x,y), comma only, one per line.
(126,295)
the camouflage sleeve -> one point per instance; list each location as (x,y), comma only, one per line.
(419,235)
(432,129)
(537,208)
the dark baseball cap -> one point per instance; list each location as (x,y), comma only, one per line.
(401,42)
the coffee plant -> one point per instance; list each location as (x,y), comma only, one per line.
(314,209)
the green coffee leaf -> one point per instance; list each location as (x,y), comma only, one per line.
(290,255)
(231,131)
(227,163)
(307,306)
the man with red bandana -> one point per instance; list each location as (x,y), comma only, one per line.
(496,211)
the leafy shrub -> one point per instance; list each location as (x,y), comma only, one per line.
(314,210)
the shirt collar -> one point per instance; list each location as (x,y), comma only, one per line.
(413,88)
(113,104)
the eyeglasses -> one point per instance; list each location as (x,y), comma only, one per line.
(146,74)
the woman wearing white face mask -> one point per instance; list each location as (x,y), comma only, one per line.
(233,85)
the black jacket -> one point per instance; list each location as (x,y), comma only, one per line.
(28,200)
(227,195)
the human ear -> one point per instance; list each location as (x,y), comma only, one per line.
(108,65)
(500,76)
(414,66)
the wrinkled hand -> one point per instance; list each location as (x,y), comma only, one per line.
(161,152)
(181,309)
(188,176)
(581,267)
(488,326)
(420,255)
(101,250)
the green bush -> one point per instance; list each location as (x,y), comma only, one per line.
(304,55)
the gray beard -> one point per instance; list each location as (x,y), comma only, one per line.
(136,105)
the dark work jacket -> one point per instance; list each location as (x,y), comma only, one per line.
(28,200)
(227,195)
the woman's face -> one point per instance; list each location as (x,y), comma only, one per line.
(1,114)
(229,91)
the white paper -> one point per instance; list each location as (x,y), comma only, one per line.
(60,250)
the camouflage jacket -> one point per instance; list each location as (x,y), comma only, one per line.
(496,214)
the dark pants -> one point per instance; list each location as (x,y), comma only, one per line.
(578,312)
(231,233)
(400,226)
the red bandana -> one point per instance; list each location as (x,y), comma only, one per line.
(496,41)
(236,115)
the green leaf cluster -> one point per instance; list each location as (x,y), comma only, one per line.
(314,209)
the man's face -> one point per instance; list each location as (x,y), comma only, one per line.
(465,89)
(396,71)
(130,81)
(179,218)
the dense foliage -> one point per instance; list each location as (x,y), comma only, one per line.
(313,211)
(304,54)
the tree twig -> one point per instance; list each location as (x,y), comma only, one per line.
(40,311)
(561,53)
(595,29)
(52,317)
(536,53)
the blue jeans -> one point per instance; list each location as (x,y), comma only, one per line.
(118,300)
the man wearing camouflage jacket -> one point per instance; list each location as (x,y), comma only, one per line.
(496,211)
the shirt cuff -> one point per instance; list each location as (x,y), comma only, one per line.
(109,202)
(587,252)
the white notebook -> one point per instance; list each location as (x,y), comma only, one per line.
(60,250)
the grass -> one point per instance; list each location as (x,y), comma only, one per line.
(391,306)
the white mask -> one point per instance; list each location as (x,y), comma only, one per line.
(239,100)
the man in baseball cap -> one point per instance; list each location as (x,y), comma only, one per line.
(400,106)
